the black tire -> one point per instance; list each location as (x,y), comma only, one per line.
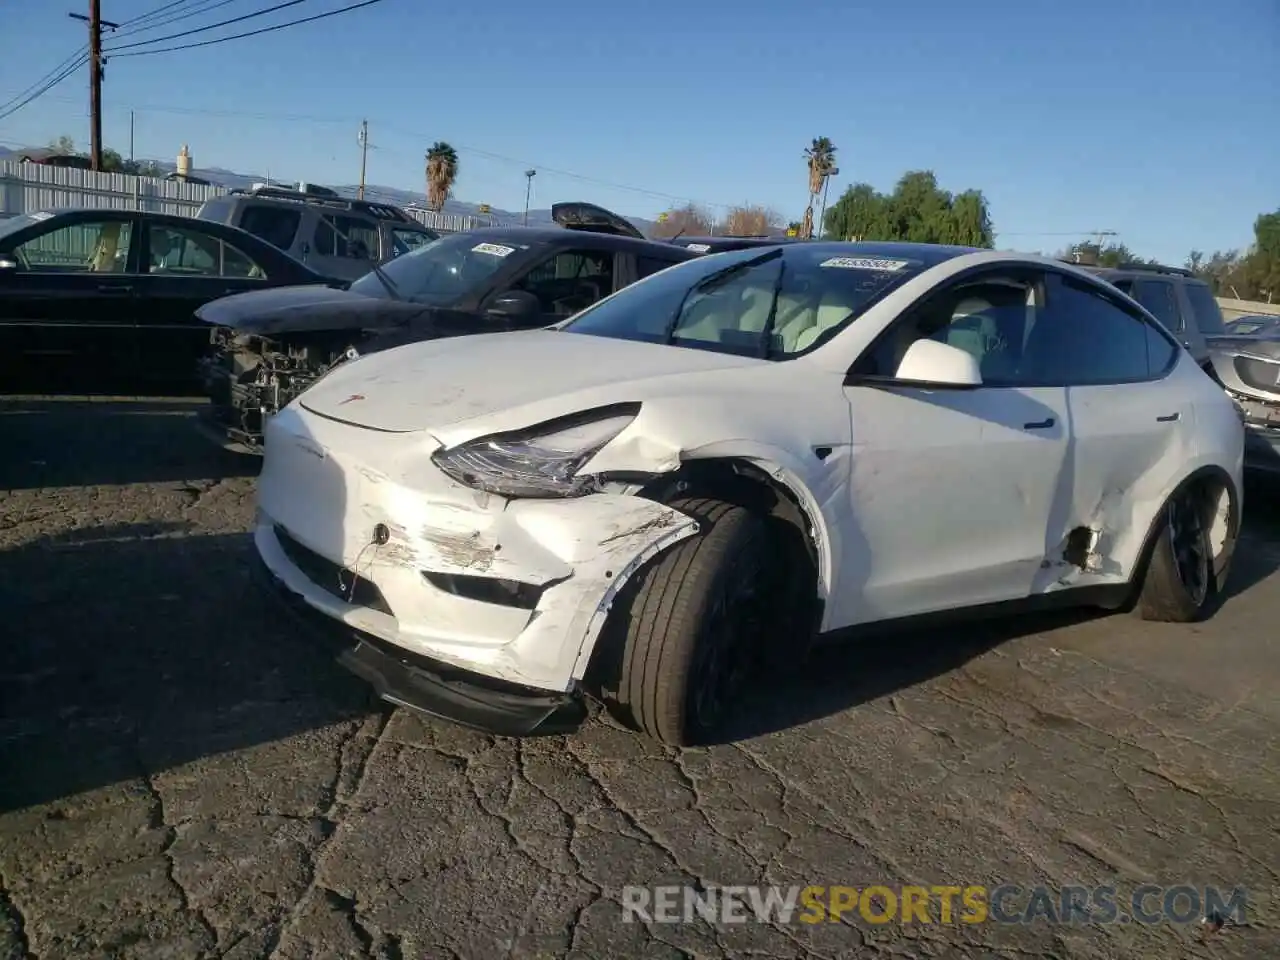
(1179,583)
(677,673)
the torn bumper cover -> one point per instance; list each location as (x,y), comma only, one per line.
(463,604)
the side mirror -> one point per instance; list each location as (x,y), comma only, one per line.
(933,364)
(515,305)
(8,263)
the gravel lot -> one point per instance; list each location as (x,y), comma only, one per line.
(182,775)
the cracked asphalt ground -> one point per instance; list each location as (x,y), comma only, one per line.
(183,775)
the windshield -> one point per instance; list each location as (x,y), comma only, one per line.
(442,271)
(768,302)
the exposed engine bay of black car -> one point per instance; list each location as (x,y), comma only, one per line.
(249,378)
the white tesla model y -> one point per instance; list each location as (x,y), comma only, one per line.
(737,455)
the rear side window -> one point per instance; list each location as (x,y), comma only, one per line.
(348,237)
(276,225)
(647,266)
(217,210)
(1208,313)
(1159,297)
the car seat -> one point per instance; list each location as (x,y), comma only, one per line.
(833,309)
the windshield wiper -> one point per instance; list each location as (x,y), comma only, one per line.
(766,335)
(713,280)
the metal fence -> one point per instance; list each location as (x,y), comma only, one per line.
(32,187)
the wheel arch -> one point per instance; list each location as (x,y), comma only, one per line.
(1211,473)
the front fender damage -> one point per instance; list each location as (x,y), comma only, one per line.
(618,535)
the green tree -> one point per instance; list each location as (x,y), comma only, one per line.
(917,210)
(1245,275)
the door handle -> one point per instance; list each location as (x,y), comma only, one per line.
(1039,424)
(1171,418)
(112,288)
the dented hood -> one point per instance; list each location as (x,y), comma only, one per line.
(460,387)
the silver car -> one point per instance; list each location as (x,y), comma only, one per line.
(337,237)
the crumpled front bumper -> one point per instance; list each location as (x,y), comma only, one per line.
(514,591)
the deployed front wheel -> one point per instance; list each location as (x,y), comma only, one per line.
(693,624)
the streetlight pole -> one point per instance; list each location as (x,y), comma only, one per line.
(528,188)
(363,139)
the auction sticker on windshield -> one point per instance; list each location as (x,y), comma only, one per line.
(494,249)
(698,247)
(863,263)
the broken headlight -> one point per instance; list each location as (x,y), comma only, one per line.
(542,461)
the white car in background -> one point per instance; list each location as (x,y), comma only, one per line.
(734,456)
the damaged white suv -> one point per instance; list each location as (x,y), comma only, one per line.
(732,457)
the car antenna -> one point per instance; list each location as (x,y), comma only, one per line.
(679,234)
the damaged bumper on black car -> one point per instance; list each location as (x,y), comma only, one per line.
(249,378)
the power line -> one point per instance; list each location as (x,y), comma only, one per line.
(150,14)
(138,25)
(212,26)
(252,33)
(62,66)
(80,62)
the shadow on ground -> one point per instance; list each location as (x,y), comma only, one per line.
(839,677)
(142,649)
(68,441)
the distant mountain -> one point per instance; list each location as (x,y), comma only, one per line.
(392,195)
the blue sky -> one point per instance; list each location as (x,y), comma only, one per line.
(1154,118)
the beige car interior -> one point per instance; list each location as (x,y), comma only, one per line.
(104,254)
(801,318)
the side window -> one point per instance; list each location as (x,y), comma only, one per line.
(1083,337)
(1124,285)
(988,317)
(101,247)
(647,266)
(348,237)
(182,252)
(1159,297)
(570,281)
(1208,313)
(403,241)
(276,225)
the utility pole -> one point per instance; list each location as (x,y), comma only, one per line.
(96,23)
(528,187)
(364,155)
(130,136)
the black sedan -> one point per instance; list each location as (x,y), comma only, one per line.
(271,346)
(723,244)
(121,287)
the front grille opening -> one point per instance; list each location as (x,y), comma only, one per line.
(505,593)
(332,577)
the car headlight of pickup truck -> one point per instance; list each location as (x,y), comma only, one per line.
(541,461)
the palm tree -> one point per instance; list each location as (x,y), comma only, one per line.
(442,173)
(820,157)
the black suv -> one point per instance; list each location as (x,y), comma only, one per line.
(1176,297)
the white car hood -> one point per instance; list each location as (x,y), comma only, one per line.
(458,387)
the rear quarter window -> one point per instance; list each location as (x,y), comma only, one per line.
(276,225)
(217,210)
(1208,313)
